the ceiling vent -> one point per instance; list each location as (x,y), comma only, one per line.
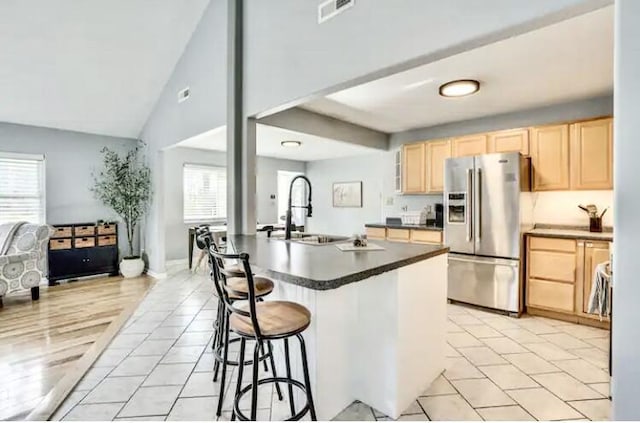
(331,8)
(183,94)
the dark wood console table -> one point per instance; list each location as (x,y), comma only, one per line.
(83,249)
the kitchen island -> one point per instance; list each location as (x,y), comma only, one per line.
(378,317)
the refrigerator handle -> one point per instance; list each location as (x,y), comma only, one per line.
(469,205)
(479,205)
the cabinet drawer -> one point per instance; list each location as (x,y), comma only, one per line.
(106,229)
(376,233)
(552,244)
(429,237)
(84,230)
(551,295)
(62,232)
(84,242)
(107,240)
(60,244)
(552,265)
(398,234)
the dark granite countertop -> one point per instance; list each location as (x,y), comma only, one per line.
(571,232)
(323,267)
(401,226)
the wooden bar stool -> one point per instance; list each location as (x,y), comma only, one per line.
(266,321)
(235,289)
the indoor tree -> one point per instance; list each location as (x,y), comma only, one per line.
(124,184)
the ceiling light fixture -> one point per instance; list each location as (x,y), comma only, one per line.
(291,144)
(459,88)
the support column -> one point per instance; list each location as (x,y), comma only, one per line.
(626,266)
(241,133)
(153,240)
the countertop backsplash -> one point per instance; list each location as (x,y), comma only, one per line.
(561,207)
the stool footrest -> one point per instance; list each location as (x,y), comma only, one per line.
(246,389)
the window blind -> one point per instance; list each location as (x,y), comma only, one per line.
(22,188)
(205,193)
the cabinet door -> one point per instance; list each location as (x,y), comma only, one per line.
(437,153)
(550,157)
(592,154)
(472,145)
(413,168)
(594,254)
(514,140)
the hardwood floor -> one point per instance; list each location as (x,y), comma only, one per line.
(42,342)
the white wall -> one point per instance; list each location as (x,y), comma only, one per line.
(561,207)
(289,56)
(70,159)
(626,263)
(376,173)
(174,159)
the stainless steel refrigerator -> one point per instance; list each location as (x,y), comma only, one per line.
(488,206)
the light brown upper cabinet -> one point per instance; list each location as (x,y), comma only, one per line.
(512,140)
(413,168)
(592,154)
(437,153)
(471,145)
(550,157)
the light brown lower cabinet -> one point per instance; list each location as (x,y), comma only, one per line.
(559,277)
(416,236)
(376,233)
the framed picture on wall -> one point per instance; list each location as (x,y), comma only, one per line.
(347,194)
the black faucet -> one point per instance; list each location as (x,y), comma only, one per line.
(287,233)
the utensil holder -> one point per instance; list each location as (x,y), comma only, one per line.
(595,224)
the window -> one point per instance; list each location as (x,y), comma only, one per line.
(205,193)
(298,196)
(22,189)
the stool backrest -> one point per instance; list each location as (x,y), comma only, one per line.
(205,237)
(251,288)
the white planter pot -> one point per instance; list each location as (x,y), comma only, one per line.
(131,267)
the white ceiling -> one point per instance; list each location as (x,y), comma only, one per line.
(566,61)
(268,140)
(90,65)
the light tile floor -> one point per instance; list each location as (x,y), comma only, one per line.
(159,367)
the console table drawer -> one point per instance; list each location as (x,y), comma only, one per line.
(107,240)
(62,232)
(107,229)
(60,244)
(84,230)
(84,242)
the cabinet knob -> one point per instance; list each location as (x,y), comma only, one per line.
(589,244)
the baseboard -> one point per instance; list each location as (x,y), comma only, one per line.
(157,275)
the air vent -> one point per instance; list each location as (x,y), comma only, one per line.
(331,8)
(183,94)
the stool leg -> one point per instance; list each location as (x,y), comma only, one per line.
(223,377)
(292,405)
(216,329)
(273,367)
(239,381)
(254,382)
(266,368)
(221,331)
(307,380)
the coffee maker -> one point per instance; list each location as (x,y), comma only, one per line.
(439,215)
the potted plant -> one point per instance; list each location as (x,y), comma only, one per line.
(125,185)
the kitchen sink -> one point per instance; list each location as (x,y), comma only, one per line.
(312,239)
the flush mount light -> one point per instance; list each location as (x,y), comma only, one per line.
(291,144)
(459,88)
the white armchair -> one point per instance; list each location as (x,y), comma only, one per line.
(24,263)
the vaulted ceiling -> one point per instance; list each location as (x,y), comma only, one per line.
(93,66)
